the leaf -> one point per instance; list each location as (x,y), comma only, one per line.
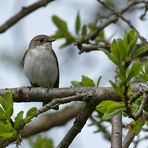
(86,81)
(98,81)
(77,23)
(84,30)
(109,108)
(76,84)
(60,23)
(6,130)
(138,124)
(108,116)
(146,67)
(8,102)
(30,114)
(118,89)
(42,142)
(69,40)
(134,70)
(140,51)
(19,120)
(110,56)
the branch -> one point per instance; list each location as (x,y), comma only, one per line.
(78,124)
(116,138)
(48,121)
(130,135)
(45,122)
(21,14)
(113,18)
(37,94)
(143,40)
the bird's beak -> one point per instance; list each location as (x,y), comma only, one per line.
(51,40)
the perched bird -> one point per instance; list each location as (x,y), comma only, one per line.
(41,64)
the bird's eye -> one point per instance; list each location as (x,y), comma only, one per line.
(41,40)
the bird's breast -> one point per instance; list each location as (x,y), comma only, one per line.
(40,66)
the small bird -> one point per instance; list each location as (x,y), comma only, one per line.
(41,64)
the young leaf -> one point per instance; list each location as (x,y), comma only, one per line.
(60,23)
(117,88)
(77,23)
(84,30)
(86,81)
(30,114)
(108,116)
(98,81)
(9,104)
(76,84)
(140,51)
(109,106)
(19,120)
(42,142)
(134,70)
(138,124)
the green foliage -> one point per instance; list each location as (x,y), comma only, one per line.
(20,120)
(62,31)
(6,111)
(82,30)
(8,127)
(41,142)
(86,81)
(143,76)
(124,54)
(109,108)
(77,23)
(137,125)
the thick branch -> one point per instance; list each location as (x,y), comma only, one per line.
(21,14)
(48,121)
(27,94)
(116,139)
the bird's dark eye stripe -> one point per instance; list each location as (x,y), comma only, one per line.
(41,40)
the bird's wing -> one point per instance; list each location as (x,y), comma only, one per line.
(24,57)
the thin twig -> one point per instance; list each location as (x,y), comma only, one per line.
(21,14)
(143,40)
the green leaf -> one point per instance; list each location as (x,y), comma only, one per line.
(109,108)
(77,23)
(130,36)
(6,130)
(69,40)
(138,124)
(98,81)
(117,88)
(108,116)
(146,67)
(76,84)
(2,114)
(60,23)
(140,51)
(42,142)
(115,51)
(30,114)
(110,56)
(84,30)
(8,101)
(134,70)
(19,120)
(86,81)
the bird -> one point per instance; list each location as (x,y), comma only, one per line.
(40,63)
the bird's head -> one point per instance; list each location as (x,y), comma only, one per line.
(40,40)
